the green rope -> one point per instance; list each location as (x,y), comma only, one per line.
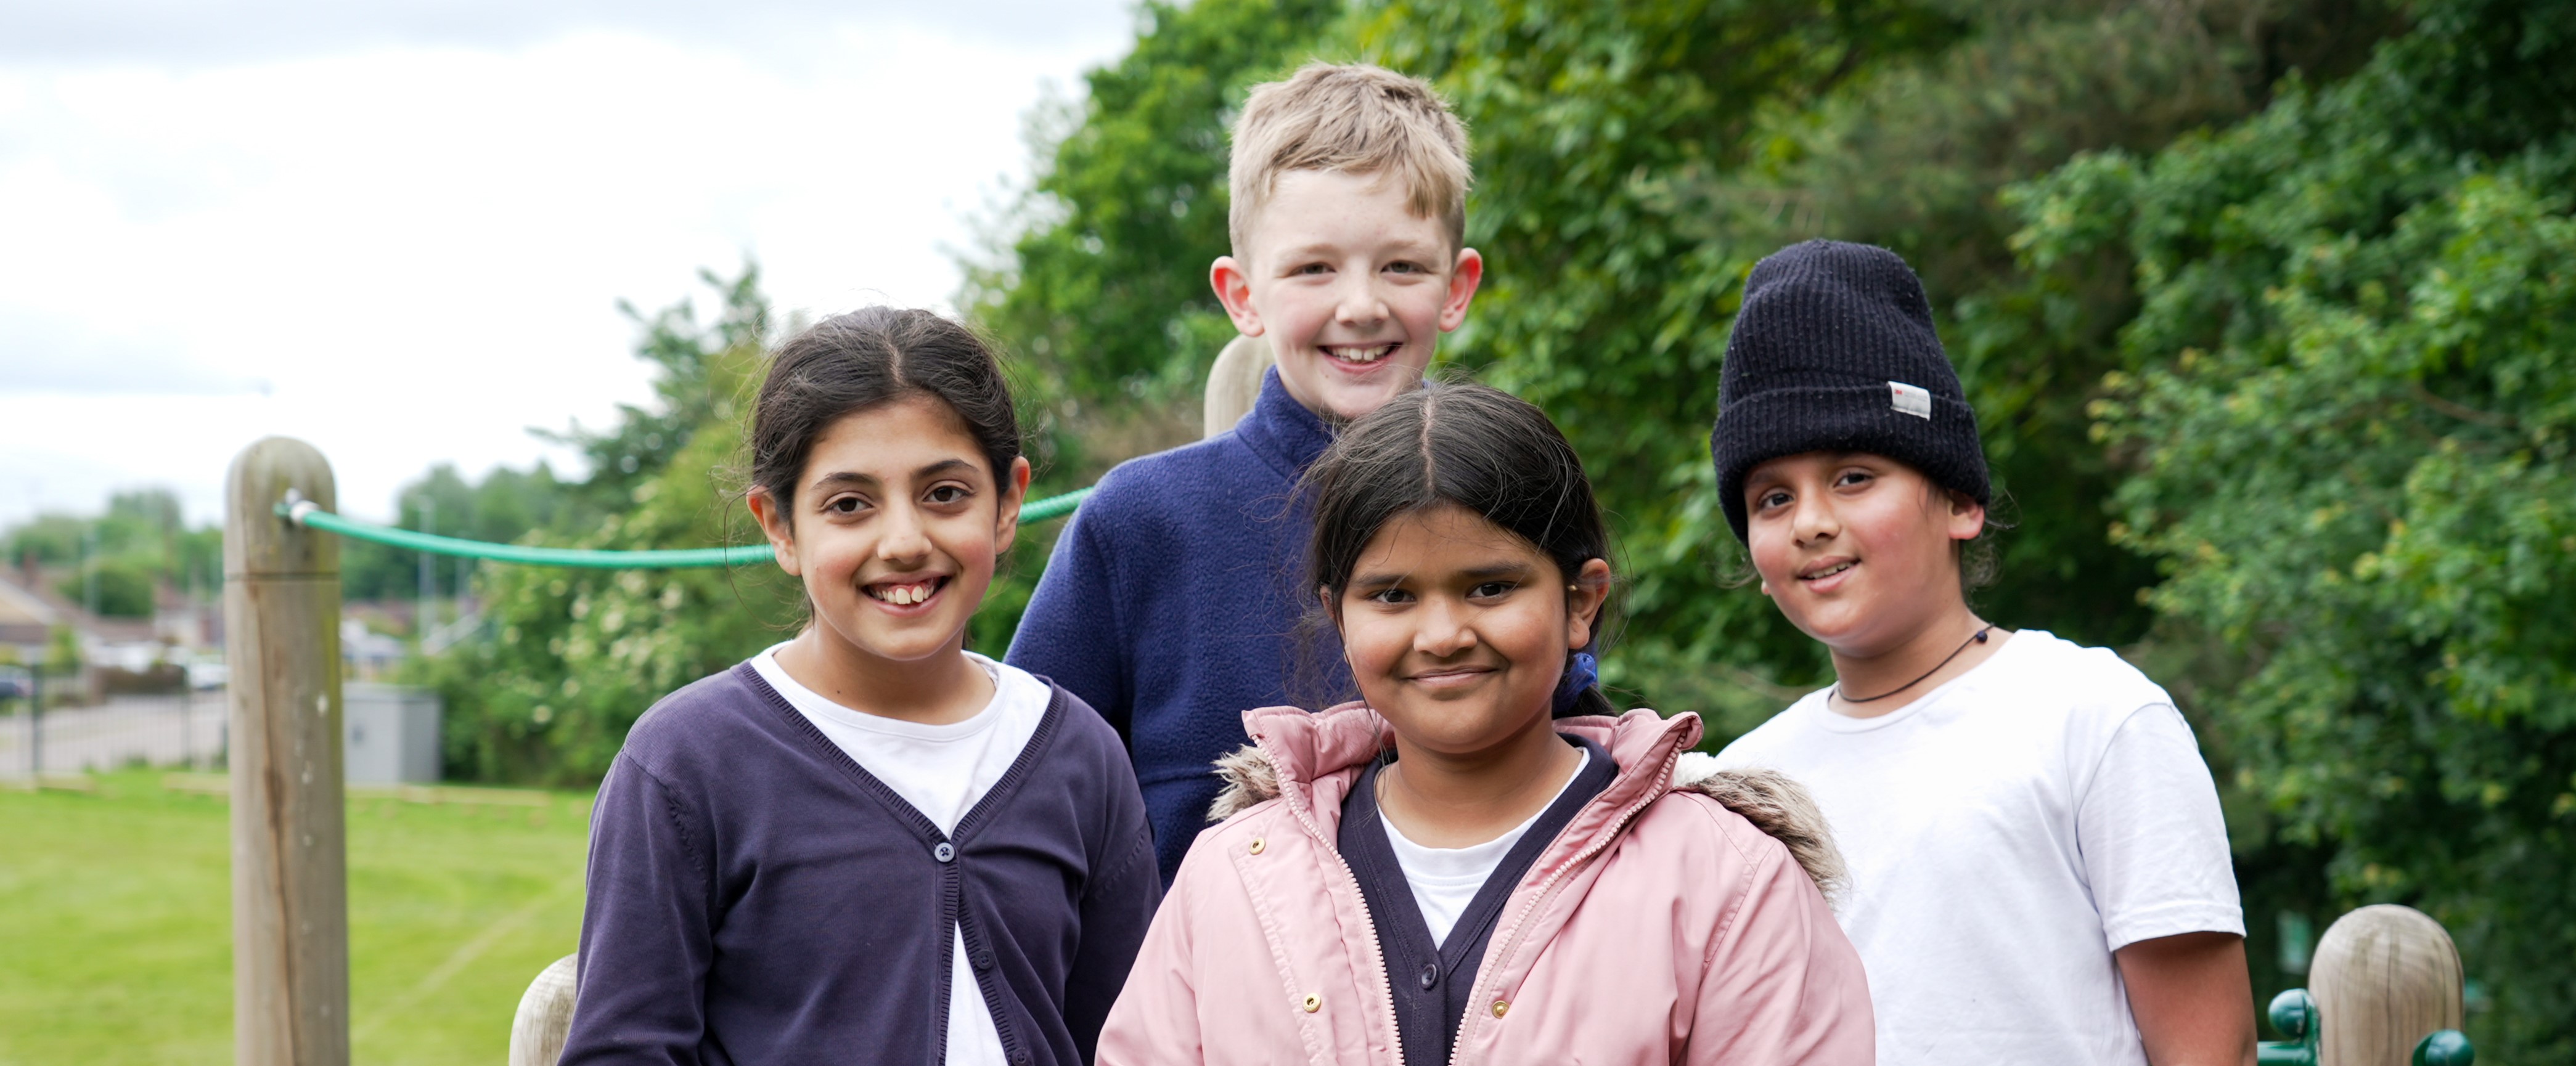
(312,516)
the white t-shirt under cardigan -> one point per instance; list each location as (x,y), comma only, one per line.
(1446,880)
(2006,833)
(941,770)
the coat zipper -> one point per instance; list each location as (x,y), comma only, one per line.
(1546,889)
(1377,951)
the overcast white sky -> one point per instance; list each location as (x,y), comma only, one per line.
(399,229)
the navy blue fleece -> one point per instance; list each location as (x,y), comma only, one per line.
(1171,605)
(757,897)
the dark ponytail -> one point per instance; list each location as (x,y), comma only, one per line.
(1466,444)
(868,357)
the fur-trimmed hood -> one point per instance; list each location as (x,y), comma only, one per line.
(1772,801)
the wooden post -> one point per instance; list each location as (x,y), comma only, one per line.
(2383,976)
(290,867)
(544,1022)
(1233,384)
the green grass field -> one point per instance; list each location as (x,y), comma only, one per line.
(116,924)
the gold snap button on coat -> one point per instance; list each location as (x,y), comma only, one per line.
(1257,845)
(1312,1003)
(1500,1007)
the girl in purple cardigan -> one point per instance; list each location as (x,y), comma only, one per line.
(867,844)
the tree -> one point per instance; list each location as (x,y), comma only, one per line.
(1099,277)
(575,656)
(1634,159)
(2347,406)
(124,585)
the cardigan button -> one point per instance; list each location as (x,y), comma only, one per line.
(1257,845)
(1500,1007)
(983,960)
(1312,1003)
(1020,1057)
(1430,975)
(944,852)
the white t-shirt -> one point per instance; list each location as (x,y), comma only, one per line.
(2005,833)
(1445,880)
(941,770)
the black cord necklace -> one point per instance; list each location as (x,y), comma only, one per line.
(1979,637)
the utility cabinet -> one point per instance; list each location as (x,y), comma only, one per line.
(390,734)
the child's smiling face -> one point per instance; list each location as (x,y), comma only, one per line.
(895,527)
(1858,550)
(1352,289)
(1457,630)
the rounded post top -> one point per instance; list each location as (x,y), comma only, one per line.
(259,543)
(2383,976)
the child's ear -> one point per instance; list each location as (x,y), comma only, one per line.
(1967,516)
(778,526)
(1006,518)
(1591,588)
(1232,280)
(1464,276)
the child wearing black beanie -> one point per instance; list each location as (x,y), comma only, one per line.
(2039,869)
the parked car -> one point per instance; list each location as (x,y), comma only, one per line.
(15,683)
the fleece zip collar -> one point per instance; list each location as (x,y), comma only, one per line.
(1282,431)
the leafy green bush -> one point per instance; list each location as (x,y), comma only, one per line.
(2348,404)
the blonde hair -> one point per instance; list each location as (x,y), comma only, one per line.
(1357,119)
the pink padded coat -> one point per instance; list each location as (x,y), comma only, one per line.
(1660,927)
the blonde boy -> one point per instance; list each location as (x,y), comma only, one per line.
(1170,604)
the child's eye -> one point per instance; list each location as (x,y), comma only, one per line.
(1312,268)
(1490,590)
(1854,477)
(1390,596)
(1405,268)
(1769,500)
(948,494)
(843,505)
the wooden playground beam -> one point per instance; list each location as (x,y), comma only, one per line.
(290,858)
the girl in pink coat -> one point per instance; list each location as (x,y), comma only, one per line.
(1477,863)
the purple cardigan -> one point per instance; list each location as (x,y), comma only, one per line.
(756,897)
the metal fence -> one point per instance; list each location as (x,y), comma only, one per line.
(181,730)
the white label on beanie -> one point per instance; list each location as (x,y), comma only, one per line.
(1910,400)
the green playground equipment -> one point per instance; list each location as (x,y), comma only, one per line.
(2294,1014)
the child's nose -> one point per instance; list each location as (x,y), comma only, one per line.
(1814,519)
(1444,631)
(901,536)
(1360,302)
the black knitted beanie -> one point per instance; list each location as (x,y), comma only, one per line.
(1834,351)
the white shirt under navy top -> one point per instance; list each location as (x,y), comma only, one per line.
(2005,833)
(941,770)
(1445,880)
(1435,908)
(776,878)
